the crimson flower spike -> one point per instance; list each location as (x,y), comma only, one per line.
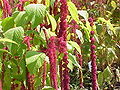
(93,57)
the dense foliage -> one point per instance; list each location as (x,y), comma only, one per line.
(59,44)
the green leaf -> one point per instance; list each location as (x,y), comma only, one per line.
(108,23)
(75,45)
(52,21)
(7,79)
(37,12)
(84,14)
(7,40)
(20,19)
(7,23)
(14,34)
(100,78)
(73,60)
(34,60)
(70,65)
(107,74)
(73,11)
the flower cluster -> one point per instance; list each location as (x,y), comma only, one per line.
(27,41)
(61,44)
(77,3)
(30,81)
(93,58)
(63,21)
(6,9)
(22,86)
(73,25)
(55,9)
(65,79)
(51,53)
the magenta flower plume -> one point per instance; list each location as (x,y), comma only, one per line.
(30,81)
(94,66)
(6,9)
(27,41)
(55,9)
(61,44)
(63,22)
(65,79)
(51,53)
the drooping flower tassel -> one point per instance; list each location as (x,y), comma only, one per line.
(93,57)
(63,21)
(51,53)
(55,9)
(94,66)
(30,81)
(63,35)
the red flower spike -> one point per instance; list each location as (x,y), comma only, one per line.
(27,41)
(94,66)
(51,53)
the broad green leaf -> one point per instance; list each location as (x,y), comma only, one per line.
(7,40)
(73,60)
(75,45)
(34,60)
(7,79)
(52,21)
(20,19)
(73,11)
(107,74)
(15,34)
(7,23)
(37,12)
(22,65)
(100,78)
(108,23)
(84,14)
